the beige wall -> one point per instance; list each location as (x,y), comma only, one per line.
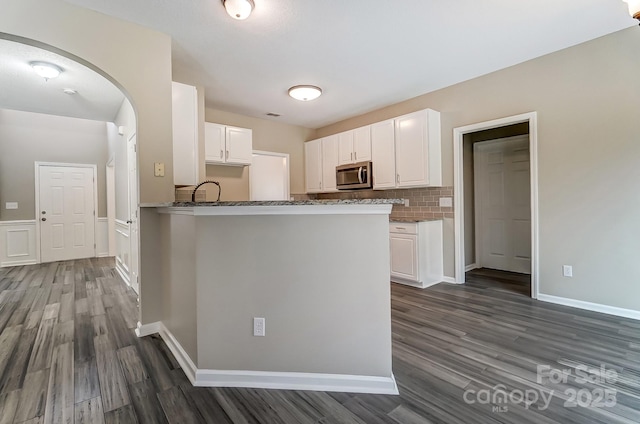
(27,137)
(228,269)
(268,136)
(587,98)
(136,59)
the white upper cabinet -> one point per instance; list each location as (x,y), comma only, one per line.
(417,141)
(214,143)
(185,134)
(362,144)
(355,146)
(329,162)
(383,154)
(239,146)
(313,166)
(405,151)
(227,145)
(345,148)
(320,160)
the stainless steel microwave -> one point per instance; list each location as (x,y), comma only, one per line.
(354,176)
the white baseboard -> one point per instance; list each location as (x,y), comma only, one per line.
(269,380)
(122,273)
(147,329)
(180,354)
(297,381)
(595,307)
(470,267)
(451,280)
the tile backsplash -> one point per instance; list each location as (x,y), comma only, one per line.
(423,202)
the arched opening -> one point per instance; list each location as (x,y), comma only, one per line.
(81,119)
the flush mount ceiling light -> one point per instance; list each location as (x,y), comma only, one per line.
(46,70)
(634,8)
(305,93)
(238,9)
(69,91)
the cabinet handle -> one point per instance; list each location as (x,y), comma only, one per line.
(355,155)
(401,228)
(352,156)
(227,155)
(398,178)
(221,153)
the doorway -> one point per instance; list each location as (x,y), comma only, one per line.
(502,204)
(269,176)
(66,204)
(502,228)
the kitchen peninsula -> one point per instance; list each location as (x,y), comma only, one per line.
(316,271)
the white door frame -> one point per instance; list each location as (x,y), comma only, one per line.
(37,196)
(111,205)
(458,189)
(280,155)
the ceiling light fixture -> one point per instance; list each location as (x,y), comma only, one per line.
(238,9)
(305,93)
(634,8)
(46,70)
(69,91)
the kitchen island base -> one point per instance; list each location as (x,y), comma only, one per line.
(317,274)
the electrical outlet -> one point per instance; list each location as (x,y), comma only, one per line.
(258,327)
(11,205)
(446,202)
(406,202)
(567,270)
(159,169)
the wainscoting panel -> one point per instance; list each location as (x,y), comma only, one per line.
(102,237)
(17,243)
(123,248)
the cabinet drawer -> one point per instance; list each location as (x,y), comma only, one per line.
(403,228)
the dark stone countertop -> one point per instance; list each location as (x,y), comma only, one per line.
(329,202)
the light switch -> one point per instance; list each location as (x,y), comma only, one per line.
(11,205)
(159,169)
(446,202)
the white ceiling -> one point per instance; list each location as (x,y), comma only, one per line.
(365,54)
(21,89)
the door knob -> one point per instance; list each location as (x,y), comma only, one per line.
(129,222)
(44,212)
(44,219)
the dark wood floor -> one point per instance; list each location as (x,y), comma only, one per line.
(68,354)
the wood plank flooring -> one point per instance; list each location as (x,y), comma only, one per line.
(68,354)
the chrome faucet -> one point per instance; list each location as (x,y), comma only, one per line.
(193,195)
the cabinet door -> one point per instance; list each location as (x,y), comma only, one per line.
(412,146)
(362,144)
(383,155)
(313,166)
(185,134)
(214,146)
(239,146)
(404,256)
(329,162)
(345,148)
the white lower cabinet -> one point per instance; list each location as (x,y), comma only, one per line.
(416,253)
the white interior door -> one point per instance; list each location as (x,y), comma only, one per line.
(67,212)
(269,176)
(132,161)
(503,204)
